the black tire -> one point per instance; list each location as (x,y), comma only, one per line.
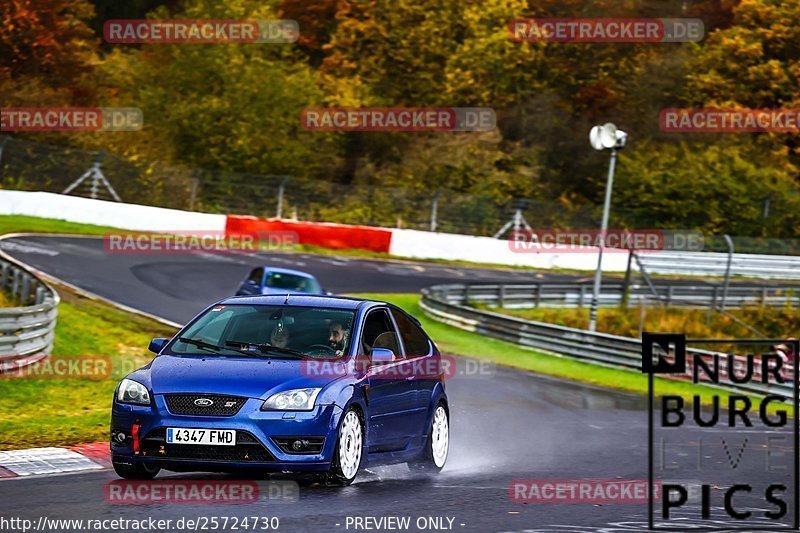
(136,471)
(342,474)
(428,461)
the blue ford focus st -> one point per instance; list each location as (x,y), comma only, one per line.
(316,384)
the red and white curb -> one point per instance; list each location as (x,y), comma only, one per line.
(52,460)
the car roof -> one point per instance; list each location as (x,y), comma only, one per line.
(288,271)
(301,300)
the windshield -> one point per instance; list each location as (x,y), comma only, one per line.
(278,280)
(268,331)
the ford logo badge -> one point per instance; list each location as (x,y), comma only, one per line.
(203,402)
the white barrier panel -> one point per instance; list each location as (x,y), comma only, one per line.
(427,245)
(103,213)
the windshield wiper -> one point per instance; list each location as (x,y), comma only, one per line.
(266,347)
(214,348)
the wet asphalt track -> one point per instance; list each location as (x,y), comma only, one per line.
(506,425)
(178,286)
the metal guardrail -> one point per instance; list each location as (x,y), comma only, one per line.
(578,295)
(26,332)
(442,303)
(714,264)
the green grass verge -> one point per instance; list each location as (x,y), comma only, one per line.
(25,224)
(56,411)
(456,341)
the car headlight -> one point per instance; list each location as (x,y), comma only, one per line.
(292,400)
(130,391)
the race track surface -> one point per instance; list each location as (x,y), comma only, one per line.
(178,286)
(506,424)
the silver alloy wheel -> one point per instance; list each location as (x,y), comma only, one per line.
(350,445)
(440,437)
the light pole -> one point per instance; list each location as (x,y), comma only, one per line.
(602,137)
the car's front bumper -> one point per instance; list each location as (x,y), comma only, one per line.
(256,431)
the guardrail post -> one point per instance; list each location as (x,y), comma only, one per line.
(435,210)
(727,281)
(192,192)
(538,299)
(763,296)
(281,188)
(466,294)
(501,296)
(583,295)
(4,275)
(15,283)
(669,295)
(25,293)
(627,283)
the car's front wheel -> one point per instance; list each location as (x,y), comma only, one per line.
(349,449)
(136,471)
(434,456)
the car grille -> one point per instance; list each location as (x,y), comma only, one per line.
(247,448)
(187,404)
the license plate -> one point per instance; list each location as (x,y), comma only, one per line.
(207,437)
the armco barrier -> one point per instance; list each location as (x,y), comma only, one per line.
(546,294)
(26,332)
(714,264)
(440,304)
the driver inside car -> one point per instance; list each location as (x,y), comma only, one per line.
(337,337)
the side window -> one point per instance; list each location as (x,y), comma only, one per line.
(213,330)
(256,276)
(414,339)
(379,332)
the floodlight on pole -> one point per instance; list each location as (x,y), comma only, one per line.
(604,137)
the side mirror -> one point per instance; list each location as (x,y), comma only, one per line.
(157,344)
(382,355)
